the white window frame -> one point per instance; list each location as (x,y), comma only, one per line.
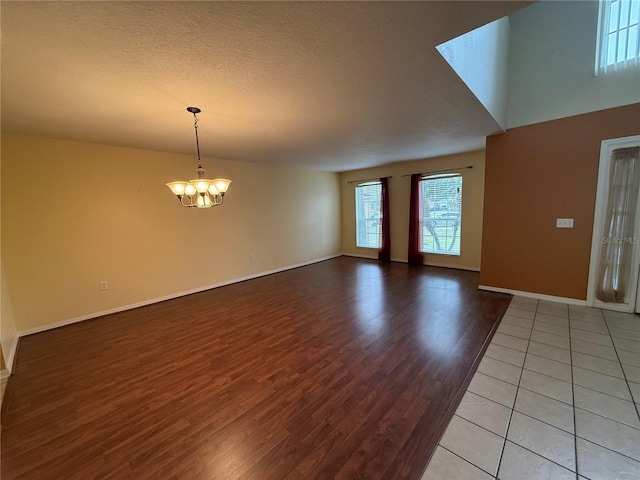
(368,219)
(444,251)
(602,46)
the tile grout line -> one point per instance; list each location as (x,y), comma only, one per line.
(488,399)
(465,460)
(599,358)
(624,349)
(613,345)
(579,329)
(496,378)
(601,373)
(547,375)
(574,408)
(550,314)
(568,404)
(548,358)
(606,418)
(541,456)
(604,447)
(573,397)
(541,421)
(545,396)
(615,349)
(474,423)
(515,398)
(508,363)
(518,390)
(526,415)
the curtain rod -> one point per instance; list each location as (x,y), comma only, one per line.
(439,171)
(368,179)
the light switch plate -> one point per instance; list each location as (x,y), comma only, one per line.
(564,222)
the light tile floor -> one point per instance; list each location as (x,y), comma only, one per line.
(556,396)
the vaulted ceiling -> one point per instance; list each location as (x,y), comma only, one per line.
(327,85)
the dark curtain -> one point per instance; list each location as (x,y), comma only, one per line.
(384,254)
(415,256)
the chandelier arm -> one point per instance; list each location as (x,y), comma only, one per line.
(189,204)
(216,200)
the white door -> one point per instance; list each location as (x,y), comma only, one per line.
(631,301)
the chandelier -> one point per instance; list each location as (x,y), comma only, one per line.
(201,192)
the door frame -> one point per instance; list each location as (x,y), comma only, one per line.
(606,148)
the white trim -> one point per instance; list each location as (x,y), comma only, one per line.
(357,255)
(70,321)
(538,296)
(4,375)
(602,194)
(428,264)
(371,257)
(638,295)
(447,265)
(600,42)
(11,354)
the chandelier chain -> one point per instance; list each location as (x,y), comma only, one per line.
(195,127)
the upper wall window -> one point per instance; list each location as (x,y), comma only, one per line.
(618,36)
(441,207)
(369,215)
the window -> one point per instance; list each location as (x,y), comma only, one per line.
(368,214)
(441,208)
(618,36)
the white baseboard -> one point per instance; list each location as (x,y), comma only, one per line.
(4,378)
(82,318)
(459,267)
(404,260)
(357,255)
(11,354)
(538,296)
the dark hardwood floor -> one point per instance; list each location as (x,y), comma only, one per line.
(343,369)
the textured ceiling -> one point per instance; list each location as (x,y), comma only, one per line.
(327,85)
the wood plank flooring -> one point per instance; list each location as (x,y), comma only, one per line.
(342,369)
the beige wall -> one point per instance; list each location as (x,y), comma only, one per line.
(472,201)
(8,332)
(74,214)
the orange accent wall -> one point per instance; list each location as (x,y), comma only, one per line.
(533,175)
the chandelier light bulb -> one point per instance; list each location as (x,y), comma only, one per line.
(189,190)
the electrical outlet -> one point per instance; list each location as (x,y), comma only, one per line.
(104,285)
(564,222)
(252,257)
